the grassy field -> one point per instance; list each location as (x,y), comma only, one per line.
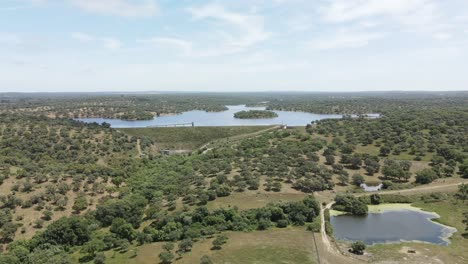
(283,246)
(190,137)
(251,199)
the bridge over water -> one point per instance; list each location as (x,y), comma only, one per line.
(192,124)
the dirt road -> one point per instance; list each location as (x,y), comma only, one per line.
(325,239)
(445,187)
(239,137)
(138,146)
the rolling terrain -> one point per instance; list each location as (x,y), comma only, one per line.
(74,192)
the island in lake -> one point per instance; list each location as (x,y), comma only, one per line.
(255,114)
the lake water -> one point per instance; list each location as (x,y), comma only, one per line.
(371,188)
(391,226)
(225,118)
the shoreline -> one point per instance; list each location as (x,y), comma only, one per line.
(446,232)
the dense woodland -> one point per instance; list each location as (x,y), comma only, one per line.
(68,186)
(148,105)
(255,114)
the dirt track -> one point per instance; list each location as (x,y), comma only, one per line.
(239,137)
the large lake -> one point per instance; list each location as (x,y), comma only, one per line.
(390,227)
(225,118)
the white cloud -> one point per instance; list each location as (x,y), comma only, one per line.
(299,22)
(10,39)
(251,27)
(82,37)
(443,36)
(111,43)
(23,4)
(124,8)
(185,46)
(344,39)
(349,10)
(107,42)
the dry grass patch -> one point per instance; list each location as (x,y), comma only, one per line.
(251,199)
(290,245)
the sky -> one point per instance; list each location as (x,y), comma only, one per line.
(241,45)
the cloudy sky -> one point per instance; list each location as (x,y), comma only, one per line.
(242,45)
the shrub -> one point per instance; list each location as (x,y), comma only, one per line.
(358,247)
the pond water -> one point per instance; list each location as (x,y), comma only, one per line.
(370,188)
(390,227)
(225,118)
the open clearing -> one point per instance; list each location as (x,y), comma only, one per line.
(285,246)
(251,199)
(190,137)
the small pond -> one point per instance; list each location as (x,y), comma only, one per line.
(225,118)
(370,188)
(391,226)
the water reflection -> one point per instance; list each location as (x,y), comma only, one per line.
(391,226)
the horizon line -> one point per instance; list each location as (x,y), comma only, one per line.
(232,91)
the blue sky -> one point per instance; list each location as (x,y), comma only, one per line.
(242,45)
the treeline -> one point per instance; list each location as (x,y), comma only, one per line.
(128,107)
(125,215)
(141,106)
(358,205)
(367,103)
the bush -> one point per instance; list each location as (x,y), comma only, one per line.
(350,204)
(426,176)
(205,260)
(314,227)
(219,241)
(328,228)
(166,257)
(100,258)
(358,247)
(358,179)
(282,223)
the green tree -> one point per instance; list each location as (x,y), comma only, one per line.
(69,231)
(93,246)
(47,215)
(205,260)
(169,246)
(343,178)
(219,241)
(358,247)
(166,257)
(7,232)
(122,229)
(80,204)
(330,159)
(462,192)
(425,176)
(385,151)
(100,258)
(358,179)
(372,167)
(464,169)
(276,186)
(185,246)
